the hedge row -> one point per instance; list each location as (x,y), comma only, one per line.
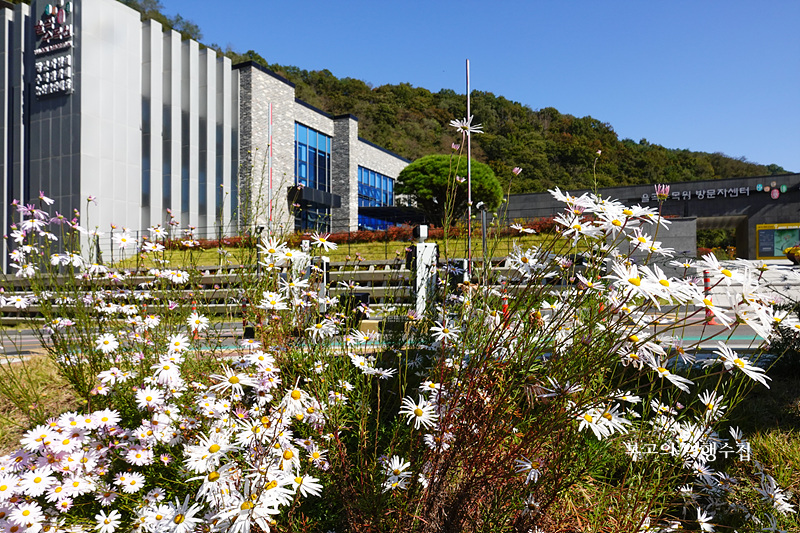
(394,233)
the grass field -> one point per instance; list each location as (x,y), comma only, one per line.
(390,250)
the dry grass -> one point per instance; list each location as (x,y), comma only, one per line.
(40,375)
(771,421)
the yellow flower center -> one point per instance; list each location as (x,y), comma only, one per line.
(418,412)
(635,281)
(233,380)
(214,448)
(246,505)
(588,418)
(726,272)
(664,282)
(179,518)
(288,454)
(738,362)
(296,395)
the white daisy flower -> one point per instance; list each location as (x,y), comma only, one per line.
(421,412)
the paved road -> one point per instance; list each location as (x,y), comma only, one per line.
(21,343)
(18,343)
(782,280)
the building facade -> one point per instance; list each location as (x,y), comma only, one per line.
(764,211)
(303,161)
(96,102)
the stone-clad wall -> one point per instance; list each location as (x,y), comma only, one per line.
(350,152)
(313,118)
(375,158)
(378,159)
(258,89)
(344,174)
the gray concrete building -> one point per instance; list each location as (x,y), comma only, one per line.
(96,102)
(764,210)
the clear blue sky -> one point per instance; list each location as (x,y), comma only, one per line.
(710,75)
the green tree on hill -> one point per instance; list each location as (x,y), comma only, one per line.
(434,180)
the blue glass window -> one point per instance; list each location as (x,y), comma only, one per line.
(312,168)
(312,158)
(374,190)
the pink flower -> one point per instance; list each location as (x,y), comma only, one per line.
(662,192)
(516,171)
(45,199)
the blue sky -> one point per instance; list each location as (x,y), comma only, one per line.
(714,76)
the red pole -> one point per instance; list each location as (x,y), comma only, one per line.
(505,305)
(195,336)
(710,319)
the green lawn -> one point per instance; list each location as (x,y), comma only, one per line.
(455,248)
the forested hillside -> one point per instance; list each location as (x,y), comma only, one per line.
(553,148)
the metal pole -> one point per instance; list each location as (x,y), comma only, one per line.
(469,184)
(483,235)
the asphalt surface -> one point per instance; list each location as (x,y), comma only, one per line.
(781,280)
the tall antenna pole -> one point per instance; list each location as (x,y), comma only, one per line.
(469,184)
